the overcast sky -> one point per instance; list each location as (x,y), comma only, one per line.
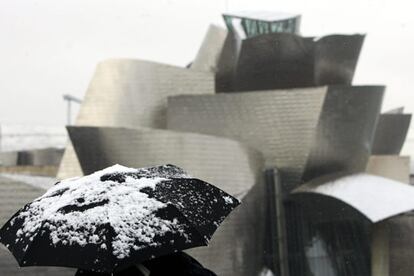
(51,47)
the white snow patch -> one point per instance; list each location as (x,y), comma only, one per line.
(366,193)
(266,272)
(130,212)
(228,200)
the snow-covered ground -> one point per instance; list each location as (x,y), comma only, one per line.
(24,137)
(41,182)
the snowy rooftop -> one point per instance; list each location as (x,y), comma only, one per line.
(365,193)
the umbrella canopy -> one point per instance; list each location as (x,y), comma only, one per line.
(116,217)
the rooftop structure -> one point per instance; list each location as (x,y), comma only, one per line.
(248,24)
(391,133)
(284,60)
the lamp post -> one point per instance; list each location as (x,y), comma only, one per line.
(70,99)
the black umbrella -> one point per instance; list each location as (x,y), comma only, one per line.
(115,218)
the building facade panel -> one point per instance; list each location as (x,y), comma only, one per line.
(283,60)
(391,133)
(208,55)
(132,93)
(279,123)
(345,131)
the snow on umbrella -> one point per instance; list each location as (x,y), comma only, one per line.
(116,217)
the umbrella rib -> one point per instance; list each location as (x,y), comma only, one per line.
(109,242)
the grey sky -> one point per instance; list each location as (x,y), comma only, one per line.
(51,47)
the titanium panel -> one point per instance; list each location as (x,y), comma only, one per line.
(210,50)
(380,249)
(222,162)
(396,243)
(401,243)
(279,123)
(274,61)
(345,130)
(390,134)
(132,93)
(392,239)
(227,63)
(283,60)
(364,193)
(391,166)
(237,248)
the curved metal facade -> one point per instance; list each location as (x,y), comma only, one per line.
(132,93)
(210,50)
(400,246)
(283,60)
(279,123)
(390,134)
(390,166)
(304,132)
(373,196)
(345,130)
(222,162)
(227,63)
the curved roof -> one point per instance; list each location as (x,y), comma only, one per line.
(377,198)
